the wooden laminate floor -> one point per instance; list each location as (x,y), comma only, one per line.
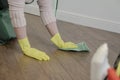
(62,65)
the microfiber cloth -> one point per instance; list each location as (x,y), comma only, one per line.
(81,47)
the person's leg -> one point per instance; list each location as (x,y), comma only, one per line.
(16,8)
(49,21)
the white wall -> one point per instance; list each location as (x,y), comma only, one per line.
(102,14)
(34,9)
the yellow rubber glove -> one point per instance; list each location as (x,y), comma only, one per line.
(32,52)
(56,39)
(118,70)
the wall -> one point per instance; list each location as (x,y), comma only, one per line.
(34,9)
(101,14)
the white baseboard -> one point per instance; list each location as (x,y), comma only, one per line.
(89,21)
(76,18)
